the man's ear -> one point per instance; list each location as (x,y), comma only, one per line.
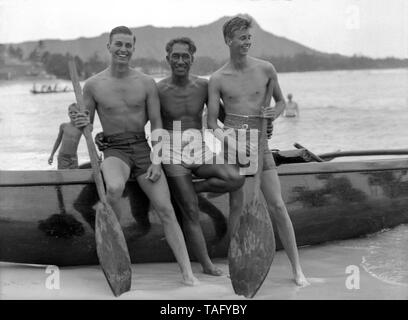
(108,45)
(168,58)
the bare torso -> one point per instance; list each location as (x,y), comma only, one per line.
(70,139)
(291,109)
(185,104)
(120,102)
(243,92)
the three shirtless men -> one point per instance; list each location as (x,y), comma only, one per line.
(126,99)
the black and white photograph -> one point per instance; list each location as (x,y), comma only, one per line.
(221,151)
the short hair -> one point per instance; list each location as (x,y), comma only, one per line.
(121,30)
(183,40)
(240,22)
(73,105)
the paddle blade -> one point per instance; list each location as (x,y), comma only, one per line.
(252,248)
(112,250)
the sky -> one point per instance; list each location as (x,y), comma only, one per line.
(375,28)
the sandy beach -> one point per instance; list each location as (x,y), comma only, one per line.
(324,265)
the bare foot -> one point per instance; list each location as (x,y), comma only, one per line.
(190,281)
(213,271)
(301,280)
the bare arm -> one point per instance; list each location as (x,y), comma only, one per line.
(83,119)
(89,101)
(153,106)
(221,111)
(276,92)
(56,144)
(154,115)
(214,96)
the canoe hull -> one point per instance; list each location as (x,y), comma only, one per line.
(47,217)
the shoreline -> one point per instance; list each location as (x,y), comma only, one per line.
(324,265)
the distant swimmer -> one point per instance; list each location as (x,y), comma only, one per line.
(292,108)
(68,136)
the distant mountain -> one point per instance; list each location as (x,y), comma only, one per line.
(150,43)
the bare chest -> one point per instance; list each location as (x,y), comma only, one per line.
(118,95)
(71,132)
(249,87)
(178,102)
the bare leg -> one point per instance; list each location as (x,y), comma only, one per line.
(183,192)
(219,178)
(115,173)
(159,195)
(271,189)
(223,178)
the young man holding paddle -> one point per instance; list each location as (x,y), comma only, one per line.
(125,100)
(242,84)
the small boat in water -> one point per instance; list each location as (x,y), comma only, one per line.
(49,89)
(47,217)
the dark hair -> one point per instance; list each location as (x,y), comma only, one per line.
(74,105)
(183,40)
(240,22)
(121,30)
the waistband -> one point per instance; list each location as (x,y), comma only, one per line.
(128,137)
(181,125)
(243,122)
(67,155)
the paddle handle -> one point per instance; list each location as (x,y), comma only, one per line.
(262,135)
(261,149)
(93,155)
(315,157)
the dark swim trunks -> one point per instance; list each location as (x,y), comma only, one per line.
(67,161)
(236,122)
(132,148)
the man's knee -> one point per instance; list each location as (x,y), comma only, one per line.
(234,179)
(165,212)
(190,210)
(115,190)
(278,208)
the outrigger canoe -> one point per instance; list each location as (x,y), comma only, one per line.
(47,217)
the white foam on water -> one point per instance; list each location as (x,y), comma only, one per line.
(384,277)
(387,257)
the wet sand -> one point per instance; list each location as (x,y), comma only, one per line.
(324,265)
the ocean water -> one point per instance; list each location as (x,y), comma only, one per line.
(339,110)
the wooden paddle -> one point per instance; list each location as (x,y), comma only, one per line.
(312,155)
(252,245)
(110,242)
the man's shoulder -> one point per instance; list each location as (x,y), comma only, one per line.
(143,77)
(266,65)
(201,82)
(98,76)
(163,83)
(64,125)
(219,74)
(94,79)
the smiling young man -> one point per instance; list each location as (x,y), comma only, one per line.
(125,100)
(242,84)
(182,98)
